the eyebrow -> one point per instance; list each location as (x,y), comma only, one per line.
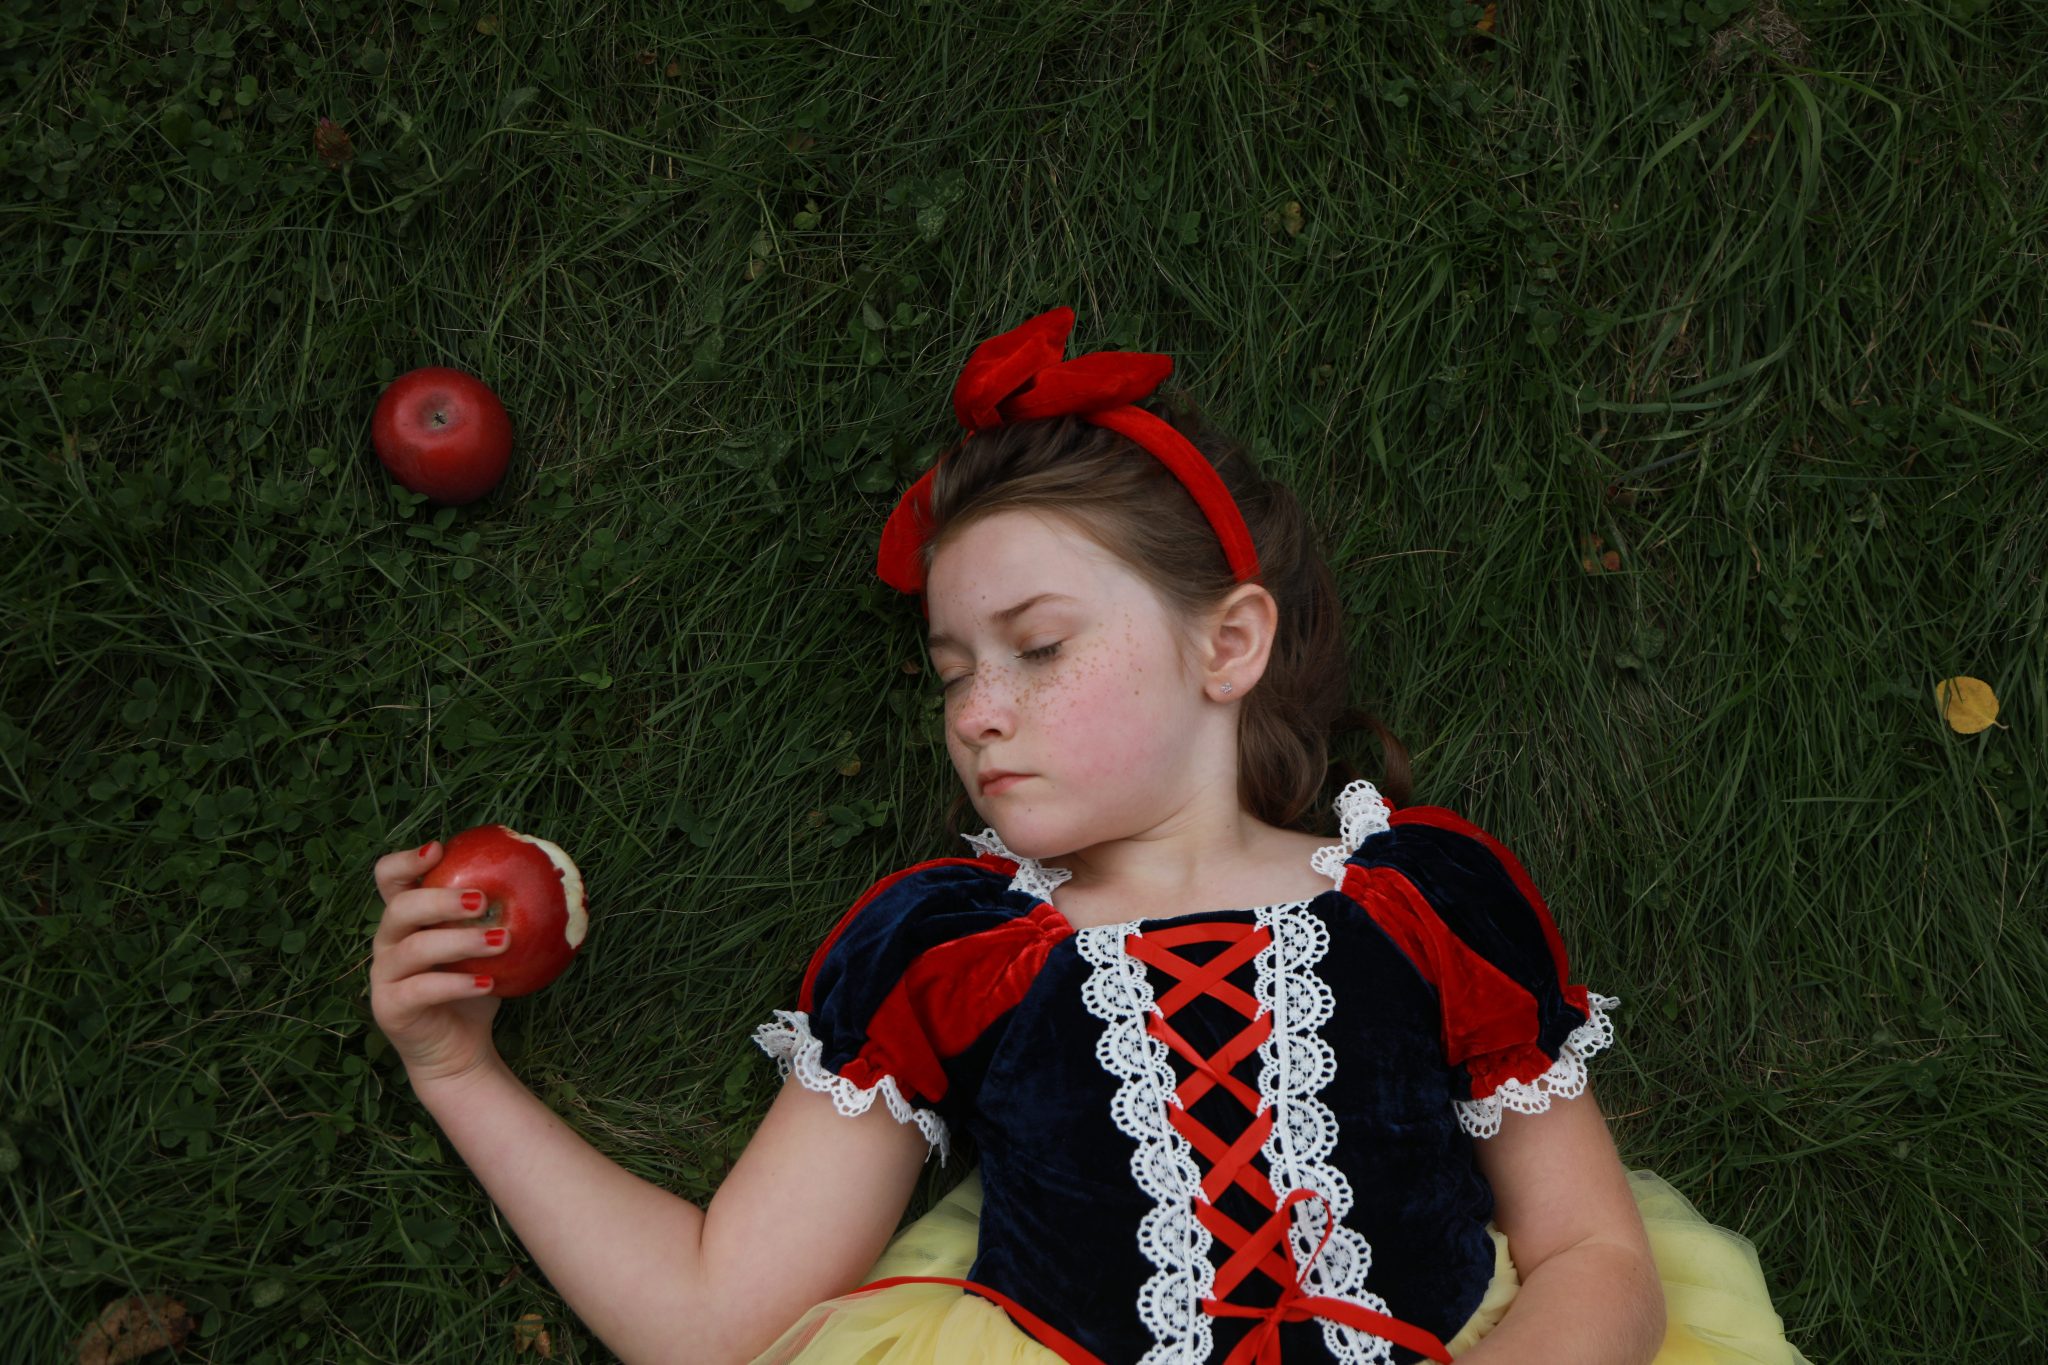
(1003,617)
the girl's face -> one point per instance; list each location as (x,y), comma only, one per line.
(1084,688)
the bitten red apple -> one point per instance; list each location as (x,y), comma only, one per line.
(442,433)
(533,889)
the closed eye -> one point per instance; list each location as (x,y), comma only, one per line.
(1040,654)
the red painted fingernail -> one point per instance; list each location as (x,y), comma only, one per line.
(483,983)
(494,937)
(472,900)
(427,848)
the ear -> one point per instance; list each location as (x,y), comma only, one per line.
(1239,639)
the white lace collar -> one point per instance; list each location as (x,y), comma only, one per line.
(1361,812)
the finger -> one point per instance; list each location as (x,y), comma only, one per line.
(426,906)
(429,948)
(401,871)
(404,1000)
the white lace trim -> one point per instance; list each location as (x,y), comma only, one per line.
(1362,811)
(1031,876)
(790,1042)
(1296,1064)
(1118,992)
(1565,1078)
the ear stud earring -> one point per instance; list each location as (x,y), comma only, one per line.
(1227,687)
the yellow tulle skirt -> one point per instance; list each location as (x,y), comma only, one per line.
(1717,1306)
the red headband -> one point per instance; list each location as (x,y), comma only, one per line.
(1022,375)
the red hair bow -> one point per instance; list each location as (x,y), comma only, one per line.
(1023,375)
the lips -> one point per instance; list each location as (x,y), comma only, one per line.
(998,780)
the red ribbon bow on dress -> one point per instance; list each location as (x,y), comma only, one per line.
(1021,376)
(1261,1345)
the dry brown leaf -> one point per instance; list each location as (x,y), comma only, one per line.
(531,1330)
(1967,704)
(130,1328)
(1485,24)
(331,141)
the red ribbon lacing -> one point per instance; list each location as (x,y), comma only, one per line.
(1252,1248)
(1230,1163)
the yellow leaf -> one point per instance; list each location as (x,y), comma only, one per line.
(487,25)
(1967,704)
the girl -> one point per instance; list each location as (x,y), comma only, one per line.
(1351,1123)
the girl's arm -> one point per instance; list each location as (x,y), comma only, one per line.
(1589,1293)
(806,1209)
(809,1205)
(612,1244)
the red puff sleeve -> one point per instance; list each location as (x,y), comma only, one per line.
(905,986)
(1516,1030)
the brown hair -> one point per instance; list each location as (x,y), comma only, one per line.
(1126,500)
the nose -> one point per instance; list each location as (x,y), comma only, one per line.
(986,709)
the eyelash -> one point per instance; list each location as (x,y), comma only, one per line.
(1042,652)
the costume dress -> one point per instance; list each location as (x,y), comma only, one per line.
(1193,1149)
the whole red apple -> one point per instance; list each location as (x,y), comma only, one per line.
(533,889)
(442,433)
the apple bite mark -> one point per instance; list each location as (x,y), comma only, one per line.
(572,887)
(532,889)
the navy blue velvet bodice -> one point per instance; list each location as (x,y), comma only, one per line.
(957,994)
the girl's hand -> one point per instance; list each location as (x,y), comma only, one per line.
(439,1022)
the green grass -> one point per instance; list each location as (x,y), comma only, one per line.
(1793,257)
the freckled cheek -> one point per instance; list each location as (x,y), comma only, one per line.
(1101,722)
